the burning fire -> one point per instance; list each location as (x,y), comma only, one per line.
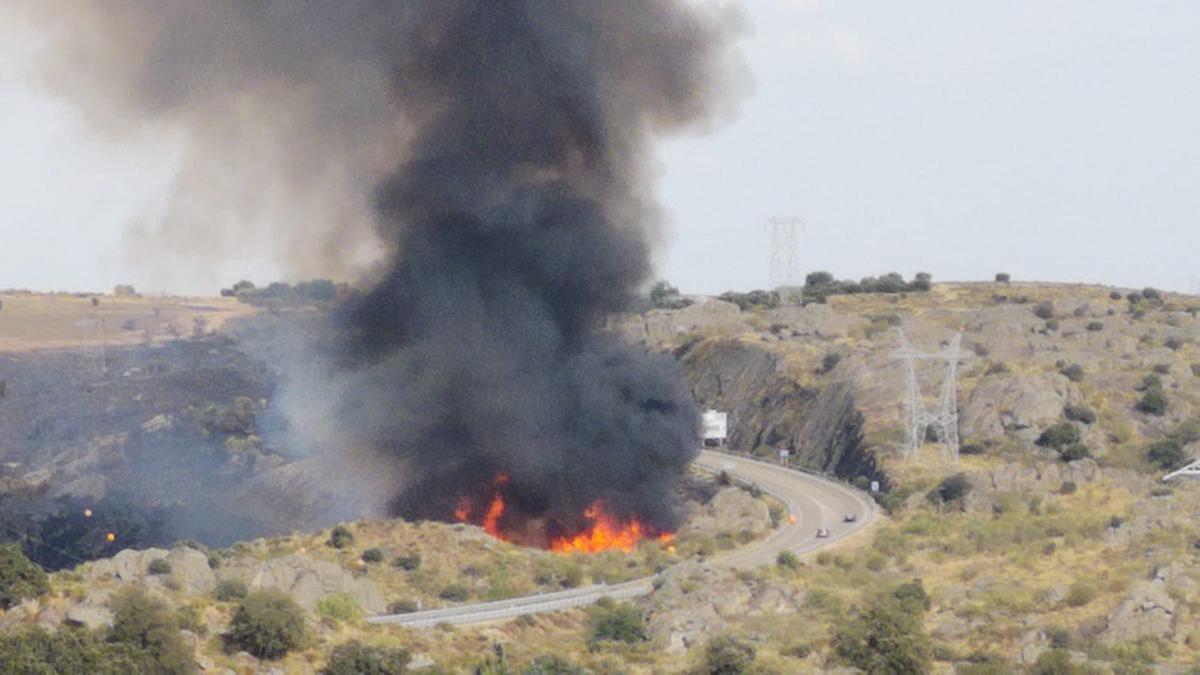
(606,531)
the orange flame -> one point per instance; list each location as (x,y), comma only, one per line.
(607,532)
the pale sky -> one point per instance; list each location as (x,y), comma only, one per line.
(1056,141)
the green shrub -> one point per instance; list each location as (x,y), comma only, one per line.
(1073,372)
(996,368)
(20,578)
(913,596)
(972,449)
(888,637)
(1151,381)
(1080,594)
(1114,295)
(829,362)
(151,630)
(1052,324)
(954,487)
(1059,436)
(33,649)
(338,606)
(1078,413)
(1095,326)
(1003,277)
(1043,311)
(788,560)
(402,607)
(268,624)
(727,655)
(372,555)
(1173,343)
(355,658)
(230,589)
(1068,488)
(159,566)
(552,664)
(410,561)
(1154,402)
(1162,369)
(1057,662)
(1151,294)
(1168,455)
(455,592)
(1074,452)
(340,537)
(613,622)
(798,651)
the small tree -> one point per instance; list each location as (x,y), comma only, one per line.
(268,624)
(1003,277)
(409,561)
(372,555)
(1095,326)
(1074,452)
(20,578)
(230,589)
(661,293)
(614,622)
(1173,343)
(727,655)
(1078,413)
(1168,455)
(889,637)
(1059,436)
(922,282)
(787,560)
(954,487)
(151,629)
(1044,311)
(1073,372)
(340,537)
(1154,402)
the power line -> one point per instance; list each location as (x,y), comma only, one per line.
(785,251)
(945,419)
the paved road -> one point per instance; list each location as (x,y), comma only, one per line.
(815,502)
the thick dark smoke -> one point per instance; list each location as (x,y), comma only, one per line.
(515,213)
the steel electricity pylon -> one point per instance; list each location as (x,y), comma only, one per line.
(945,419)
(1190,471)
(785,251)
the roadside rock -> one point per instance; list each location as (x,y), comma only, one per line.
(732,510)
(1147,611)
(128,565)
(697,600)
(90,615)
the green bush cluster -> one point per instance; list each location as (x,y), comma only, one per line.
(340,537)
(818,286)
(1073,372)
(728,655)
(372,555)
(665,296)
(752,300)
(355,658)
(616,622)
(1058,436)
(316,290)
(1078,413)
(151,630)
(455,592)
(1043,311)
(20,578)
(887,637)
(268,624)
(230,589)
(408,561)
(159,566)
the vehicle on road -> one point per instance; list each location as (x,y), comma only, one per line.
(850,517)
(822,533)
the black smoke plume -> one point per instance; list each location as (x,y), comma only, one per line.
(507,142)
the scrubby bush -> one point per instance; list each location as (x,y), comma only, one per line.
(455,593)
(409,561)
(338,606)
(616,622)
(1052,324)
(1154,402)
(1114,295)
(1151,294)
(340,537)
(1073,452)
(1003,277)
(787,560)
(996,368)
(1073,372)
(913,596)
(1058,436)
(1196,369)
(372,555)
(829,362)
(1078,413)
(1080,593)
(751,300)
(954,487)
(33,649)
(1068,488)
(402,607)
(1168,455)
(20,578)
(552,664)
(151,630)
(355,658)
(1057,662)
(159,566)
(1162,369)
(972,449)
(1095,326)
(888,637)
(230,589)
(727,655)
(1043,311)
(268,624)
(665,296)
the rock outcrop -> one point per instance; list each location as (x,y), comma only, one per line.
(1147,611)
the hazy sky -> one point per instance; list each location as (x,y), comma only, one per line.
(1056,141)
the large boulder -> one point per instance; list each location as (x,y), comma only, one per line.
(307,580)
(1016,404)
(732,510)
(1147,611)
(190,571)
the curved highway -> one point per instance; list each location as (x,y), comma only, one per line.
(815,502)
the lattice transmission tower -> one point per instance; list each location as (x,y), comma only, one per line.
(944,420)
(785,251)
